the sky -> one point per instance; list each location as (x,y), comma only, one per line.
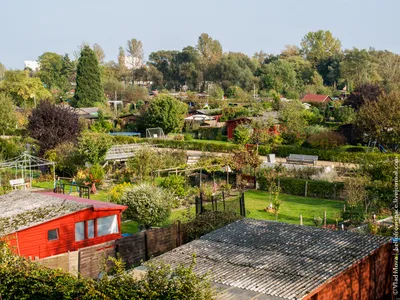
(31,27)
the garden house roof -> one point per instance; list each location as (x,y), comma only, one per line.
(316,98)
(21,209)
(271,260)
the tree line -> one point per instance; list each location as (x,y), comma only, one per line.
(318,64)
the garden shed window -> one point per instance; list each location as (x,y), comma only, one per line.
(79,231)
(52,235)
(90,225)
(107,225)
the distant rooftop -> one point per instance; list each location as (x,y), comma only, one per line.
(22,209)
(316,98)
(253,259)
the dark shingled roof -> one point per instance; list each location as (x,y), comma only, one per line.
(272,260)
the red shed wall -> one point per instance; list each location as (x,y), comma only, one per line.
(33,241)
(230,126)
(369,279)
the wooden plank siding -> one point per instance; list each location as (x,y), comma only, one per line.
(32,242)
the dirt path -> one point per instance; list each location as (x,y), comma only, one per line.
(321,163)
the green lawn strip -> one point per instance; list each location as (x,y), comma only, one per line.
(291,208)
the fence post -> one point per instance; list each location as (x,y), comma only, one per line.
(201,202)
(223,199)
(212,202)
(325,218)
(301,219)
(146,247)
(197,201)
(242,206)
(305,189)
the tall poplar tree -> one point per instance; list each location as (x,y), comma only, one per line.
(88,83)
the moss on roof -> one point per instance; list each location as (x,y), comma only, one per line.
(20,210)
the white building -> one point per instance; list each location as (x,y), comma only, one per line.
(32,64)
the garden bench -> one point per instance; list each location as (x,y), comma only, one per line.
(17,182)
(302,159)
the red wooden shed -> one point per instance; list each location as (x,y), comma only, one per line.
(232,124)
(270,116)
(39,225)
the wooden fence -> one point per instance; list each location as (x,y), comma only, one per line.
(132,249)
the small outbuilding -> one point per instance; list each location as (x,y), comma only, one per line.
(39,225)
(271,116)
(254,259)
(314,98)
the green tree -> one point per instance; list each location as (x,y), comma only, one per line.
(93,146)
(50,72)
(144,162)
(320,45)
(135,49)
(165,112)
(359,66)
(210,49)
(8,119)
(234,69)
(380,119)
(166,68)
(23,89)
(66,157)
(2,71)
(329,68)
(345,114)
(89,89)
(210,53)
(292,116)
(388,69)
(242,134)
(148,205)
(279,75)
(100,55)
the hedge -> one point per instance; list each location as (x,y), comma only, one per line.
(186,145)
(315,188)
(323,189)
(328,155)
(211,133)
(280,151)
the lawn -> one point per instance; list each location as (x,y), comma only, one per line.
(100,195)
(291,208)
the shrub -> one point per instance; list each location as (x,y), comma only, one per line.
(148,205)
(25,279)
(93,146)
(175,184)
(117,191)
(329,155)
(179,137)
(210,133)
(67,159)
(10,148)
(326,140)
(242,134)
(188,137)
(314,130)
